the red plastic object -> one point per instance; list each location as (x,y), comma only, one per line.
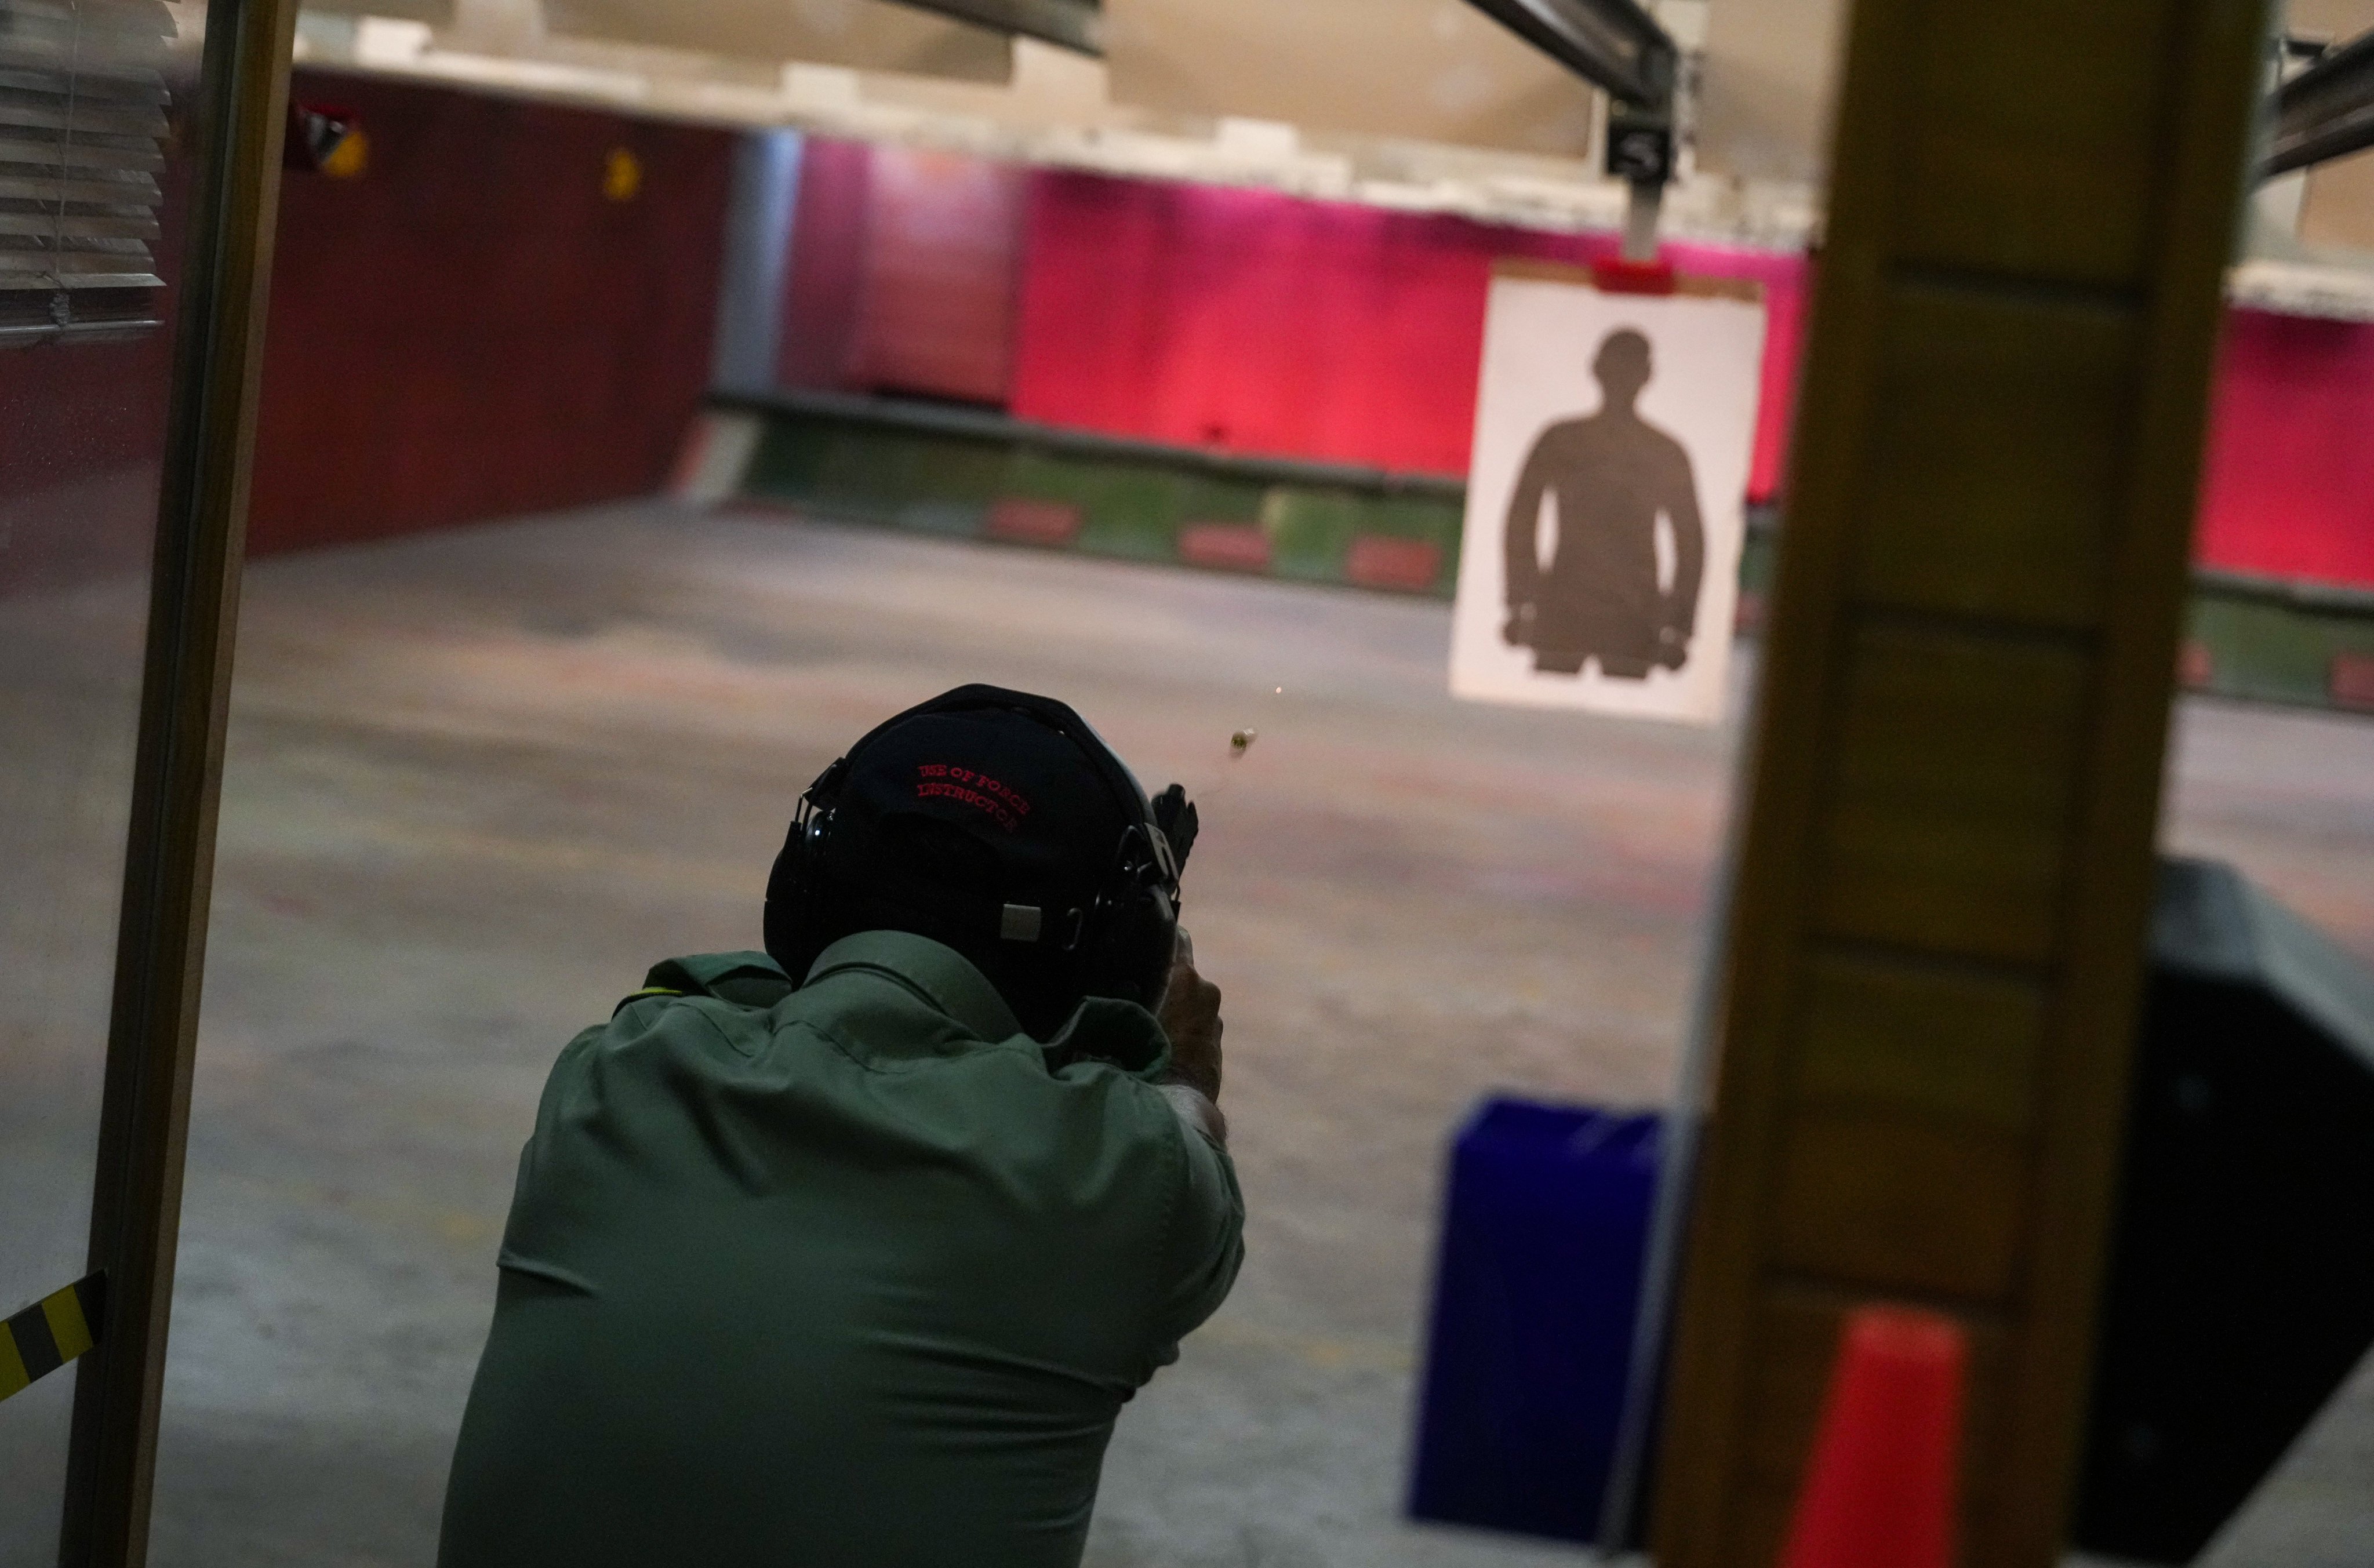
(1617,275)
(1879,1489)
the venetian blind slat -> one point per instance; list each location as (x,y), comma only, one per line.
(82,121)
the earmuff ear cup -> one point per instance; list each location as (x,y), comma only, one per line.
(1132,932)
(794,925)
(1134,963)
(806,910)
(791,896)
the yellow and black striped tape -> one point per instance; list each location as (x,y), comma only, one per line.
(50,1333)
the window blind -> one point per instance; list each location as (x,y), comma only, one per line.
(82,126)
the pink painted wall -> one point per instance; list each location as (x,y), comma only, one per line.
(2288,489)
(1257,322)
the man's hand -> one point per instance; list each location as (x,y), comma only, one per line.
(1191,1018)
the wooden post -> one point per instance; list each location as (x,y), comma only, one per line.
(1936,946)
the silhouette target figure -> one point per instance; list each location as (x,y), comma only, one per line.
(1612,474)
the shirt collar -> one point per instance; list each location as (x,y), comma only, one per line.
(944,977)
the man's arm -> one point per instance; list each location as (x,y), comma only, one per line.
(1191,1018)
(1205,1242)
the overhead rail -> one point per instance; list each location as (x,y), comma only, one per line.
(1075,25)
(1613,44)
(2326,111)
(1620,48)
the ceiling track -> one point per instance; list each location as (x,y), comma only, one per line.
(1613,44)
(1075,25)
(2326,111)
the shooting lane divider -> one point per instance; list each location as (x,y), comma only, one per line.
(50,1333)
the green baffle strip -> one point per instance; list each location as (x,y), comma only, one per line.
(50,1333)
(976,474)
(938,468)
(2278,641)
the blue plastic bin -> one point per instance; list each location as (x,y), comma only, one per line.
(1545,1231)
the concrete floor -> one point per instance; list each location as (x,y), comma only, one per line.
(477,781)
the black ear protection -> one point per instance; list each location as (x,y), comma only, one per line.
(1117,944)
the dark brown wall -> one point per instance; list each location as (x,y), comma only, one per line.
(472,328)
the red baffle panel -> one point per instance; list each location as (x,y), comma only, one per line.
(823,283)
(2288,486)
(942,243)
(905,265)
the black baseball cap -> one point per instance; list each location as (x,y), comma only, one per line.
(999,822)
(989,800)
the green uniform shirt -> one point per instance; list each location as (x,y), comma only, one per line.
(856,1280)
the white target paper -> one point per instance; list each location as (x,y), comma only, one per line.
(1599,563)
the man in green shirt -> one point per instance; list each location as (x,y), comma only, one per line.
(847,1253)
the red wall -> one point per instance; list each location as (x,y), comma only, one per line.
(1264,323)
(904,267)
(2289,490)
(943,257)
(1258,323)
(472,328)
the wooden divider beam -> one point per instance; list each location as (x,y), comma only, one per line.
(1934,950)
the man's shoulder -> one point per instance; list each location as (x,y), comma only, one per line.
(888,1018)
(710,997)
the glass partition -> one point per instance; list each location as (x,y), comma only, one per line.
(98,134)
